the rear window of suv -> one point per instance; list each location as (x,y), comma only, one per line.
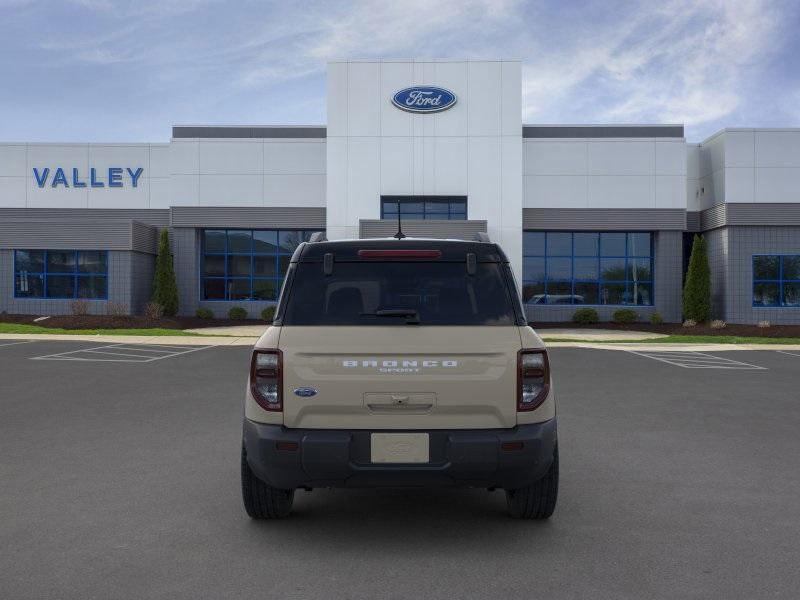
(398,293)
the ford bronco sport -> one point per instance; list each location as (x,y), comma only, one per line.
(399,363)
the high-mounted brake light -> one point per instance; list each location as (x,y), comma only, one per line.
(399,253)
(266,379)
(533,379)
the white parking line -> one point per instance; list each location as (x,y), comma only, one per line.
(785,352)
(17,343)
(697,360)
(126,352)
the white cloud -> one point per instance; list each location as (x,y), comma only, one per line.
(685,62)
(691,61)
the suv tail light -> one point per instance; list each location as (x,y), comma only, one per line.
(533,379)
(266,379)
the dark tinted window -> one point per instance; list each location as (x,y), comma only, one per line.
(587,267)
(244,264)
(776,280)
(441,293)
(449,208)
(61,274)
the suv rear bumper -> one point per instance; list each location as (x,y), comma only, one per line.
(341,458)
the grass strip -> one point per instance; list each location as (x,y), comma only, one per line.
(38,329)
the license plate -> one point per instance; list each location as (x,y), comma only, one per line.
(400,447)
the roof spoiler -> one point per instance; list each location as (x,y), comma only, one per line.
(482,236)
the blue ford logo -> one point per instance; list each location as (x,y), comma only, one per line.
(424,99)
(305,392)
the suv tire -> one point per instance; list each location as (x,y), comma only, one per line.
(538,500)
(262,501)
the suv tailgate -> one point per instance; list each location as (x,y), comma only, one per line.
(365,377)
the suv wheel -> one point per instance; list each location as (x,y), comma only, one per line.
(538,500)
(262,501)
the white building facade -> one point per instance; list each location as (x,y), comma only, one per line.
(598,216)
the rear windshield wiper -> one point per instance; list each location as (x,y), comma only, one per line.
(412,314)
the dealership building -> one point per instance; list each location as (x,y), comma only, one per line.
(598,215)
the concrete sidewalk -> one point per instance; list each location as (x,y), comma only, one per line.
(153,340)
(596,335)
(253,331)
(247,335)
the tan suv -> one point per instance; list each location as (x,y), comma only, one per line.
(399,363)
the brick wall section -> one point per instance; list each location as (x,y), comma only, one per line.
(121,287)
(744,242)
(668,248)
(717,250)
(186,253)
(668,276)
(142,272)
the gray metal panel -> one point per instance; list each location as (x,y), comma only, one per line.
(459,230)
(623,219)
(313,132)
(255,217)
(713,217)
(773,213)
(66,234)
(602,131)
(151,216)
(776,214)
(144,238)
(693,221)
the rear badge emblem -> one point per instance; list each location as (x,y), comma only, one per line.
(305,392)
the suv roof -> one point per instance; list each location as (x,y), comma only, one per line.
(452,250)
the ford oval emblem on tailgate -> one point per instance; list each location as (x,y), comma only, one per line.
(305,392)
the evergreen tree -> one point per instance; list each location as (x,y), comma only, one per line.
(697,290)
(165,288)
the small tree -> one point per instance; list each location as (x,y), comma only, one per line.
(697,290)
(165,288)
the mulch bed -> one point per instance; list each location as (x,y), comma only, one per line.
(123,322)
(774,331)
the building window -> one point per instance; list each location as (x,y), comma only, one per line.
(605,268)
(448,208)
(776,280)
(61,274)
(245,264)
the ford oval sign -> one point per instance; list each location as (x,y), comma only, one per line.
(424,99)
(305,392)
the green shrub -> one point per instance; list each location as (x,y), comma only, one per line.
(656,318)
(165,288)
(237,313)
(624,315)
(204,313)
(697,290)
(585,316)
(268,314)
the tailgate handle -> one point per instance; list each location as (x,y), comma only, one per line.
(399,406)
(399,402)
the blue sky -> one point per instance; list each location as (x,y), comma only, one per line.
(105,70)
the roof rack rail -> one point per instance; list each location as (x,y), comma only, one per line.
(482,236)
(318,236)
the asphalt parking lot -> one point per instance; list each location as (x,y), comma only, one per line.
(119,479)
